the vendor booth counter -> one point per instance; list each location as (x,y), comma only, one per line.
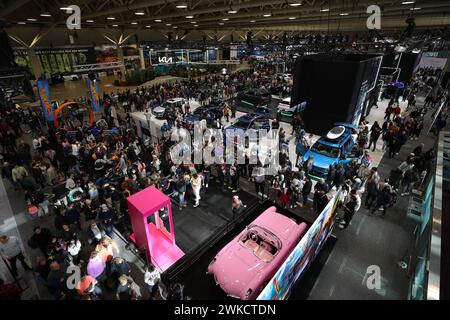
(150,211)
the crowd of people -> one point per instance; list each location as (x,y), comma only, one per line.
(80,177)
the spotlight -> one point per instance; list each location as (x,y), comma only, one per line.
(182,5)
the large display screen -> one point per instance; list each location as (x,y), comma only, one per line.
(279,288)
(56,60)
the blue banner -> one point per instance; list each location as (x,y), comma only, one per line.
(44,97)
(279,288)
(94,93)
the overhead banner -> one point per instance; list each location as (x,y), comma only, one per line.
(94,93)
(279,288)
(44,97)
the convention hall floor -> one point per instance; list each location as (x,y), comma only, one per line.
(368,240)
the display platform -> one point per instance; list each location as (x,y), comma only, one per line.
(191,269)
(273,108)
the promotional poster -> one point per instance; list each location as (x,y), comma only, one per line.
(44,97)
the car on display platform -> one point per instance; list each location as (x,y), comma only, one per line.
(245,265)
(287,77)
(285,109)
(337,146)
(71,77)
(254,98)
(252,121)
(160,112)
(211,111)
(55,78)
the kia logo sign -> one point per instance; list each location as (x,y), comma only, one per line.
(165,60)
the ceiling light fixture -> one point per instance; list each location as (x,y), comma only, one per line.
(295,4)
(21,22)
(292,18)
(134,23)
(189,17)
(408,2)
(32,19)
(221,23)
(110,18)
(344,14)
(193,22)
(225,19)
(115,25)
(414,9)
(45,15)
(89,21)
(196,25)
(158,20)
(252,21)
(231,11)
(140,13)
(168,24)
(182,5)
(65,8)
(267,15)
(148,26)
(324,10)
(175,27)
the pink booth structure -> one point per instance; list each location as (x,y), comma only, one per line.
(150,234)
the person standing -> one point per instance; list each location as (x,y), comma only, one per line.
(260,178)
(107,218)
(74,248)
(384,198)
(306,190)
(11,250)
(181,189)
(349,211)
(152,278)
(237,206)
(18,174)
(41,239)
(196,183)
(375,133)
(372,187)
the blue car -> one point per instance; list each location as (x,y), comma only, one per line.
(337,146)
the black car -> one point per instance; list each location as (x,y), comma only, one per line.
(210,112)
(56,78)
(254,98)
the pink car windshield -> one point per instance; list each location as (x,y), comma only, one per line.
(263,243)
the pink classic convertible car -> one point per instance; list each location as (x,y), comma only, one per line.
(246,264)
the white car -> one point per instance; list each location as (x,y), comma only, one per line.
(288,77)
(71,77)
(285,104)
(174,103)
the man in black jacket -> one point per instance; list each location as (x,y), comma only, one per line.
(306,190)
(41,238)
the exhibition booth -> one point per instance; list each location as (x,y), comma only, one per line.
(283,269)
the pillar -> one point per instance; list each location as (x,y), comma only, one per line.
(121,60)
(36,67)
(141,58)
